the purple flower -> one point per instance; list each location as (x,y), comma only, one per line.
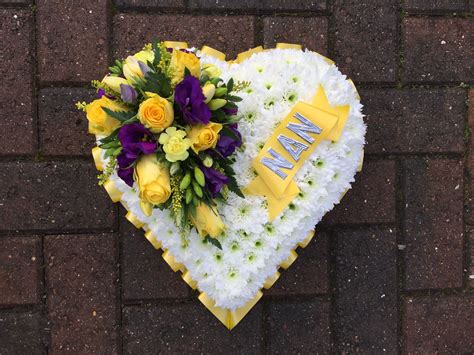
(226,145)
(215,180)
(101,92)
(128,93)
(231,111)
(190,100)
(135,140)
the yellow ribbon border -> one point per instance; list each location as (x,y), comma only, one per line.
(230,318)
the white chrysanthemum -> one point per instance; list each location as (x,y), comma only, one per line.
(253,247)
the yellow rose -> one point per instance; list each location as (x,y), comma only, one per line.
(180,60)
(207,221)
(99,121)
(175,145)
(204,136)
(156,113)
(114,82)
(153,182)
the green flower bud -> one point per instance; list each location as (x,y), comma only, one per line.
(220,91)
(189,196)
(211,71)
(197,189)
(185,181)
(199,176)
(195,200)
(174,168)
(208,90)
(208,161)
(216,104)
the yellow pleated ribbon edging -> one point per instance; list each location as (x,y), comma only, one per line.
(134,220)
(361,162)
(228,317)
(213,52)
(187,278)
(247,54)
(270,281)
(171,261)
(291,259)
(175,44)
(282,45)
(97,155)
(304,243)
(152,239)
(114,193)
(343,194)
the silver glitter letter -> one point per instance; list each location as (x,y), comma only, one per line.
(293,147)
(306,126)
(279,162)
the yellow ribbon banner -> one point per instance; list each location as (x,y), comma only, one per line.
(285,152)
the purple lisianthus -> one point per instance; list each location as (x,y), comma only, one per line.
(135,140)
(231,111)
(190,100)
(215,180)
(226,145)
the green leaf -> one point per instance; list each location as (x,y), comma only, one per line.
(213,241)
(111,137)
(186,71)
(234,187)
(230,85)
(230,173)
(233,98)
(158,83)
(226,131)
(230,105)
(121,116)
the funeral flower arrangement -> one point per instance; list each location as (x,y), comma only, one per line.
(227,165)
(170,126)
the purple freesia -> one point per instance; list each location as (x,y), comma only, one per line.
(226,145)
(215,180)
(135,140)
(128,93)
(190,100)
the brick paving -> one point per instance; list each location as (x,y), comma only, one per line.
(392,267)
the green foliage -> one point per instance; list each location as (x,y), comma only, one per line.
(213,241)
(158,83)
(122,116)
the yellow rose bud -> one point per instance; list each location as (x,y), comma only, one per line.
(156,113)
(99,122)
(175,145)
(204,136)
(208,90)
(181,60)
(131,69)
(207,221)
(145,56)
(114,82)
(216,104)
(211,71)
(153,182)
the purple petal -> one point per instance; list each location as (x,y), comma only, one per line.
(128,93)
(126,175)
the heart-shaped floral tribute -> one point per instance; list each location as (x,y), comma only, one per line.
(226,165)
